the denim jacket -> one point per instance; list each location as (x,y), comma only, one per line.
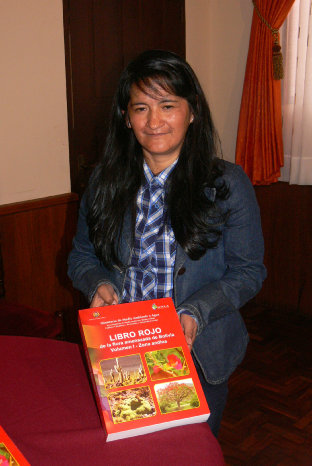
(212,288)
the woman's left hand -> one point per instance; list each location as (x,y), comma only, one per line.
(189,327)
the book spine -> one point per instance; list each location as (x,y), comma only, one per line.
(95,388)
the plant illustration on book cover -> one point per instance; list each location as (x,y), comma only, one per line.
(141,369)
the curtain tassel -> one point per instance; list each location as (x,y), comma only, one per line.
(278,70)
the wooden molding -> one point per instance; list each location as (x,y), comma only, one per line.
(50,201)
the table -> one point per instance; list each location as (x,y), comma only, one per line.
(48,409)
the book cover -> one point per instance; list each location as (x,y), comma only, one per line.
(142,371)
(9,453)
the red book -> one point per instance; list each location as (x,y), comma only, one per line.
(142,371)
(9,453)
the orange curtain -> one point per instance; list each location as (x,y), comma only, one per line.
(259,147)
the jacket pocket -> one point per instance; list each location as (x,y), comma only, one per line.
(221,347)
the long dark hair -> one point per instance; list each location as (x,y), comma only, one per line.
(119,175)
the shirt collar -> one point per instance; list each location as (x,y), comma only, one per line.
(161,178)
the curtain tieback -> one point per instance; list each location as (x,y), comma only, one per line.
(278,71)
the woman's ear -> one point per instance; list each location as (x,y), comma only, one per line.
(127,121)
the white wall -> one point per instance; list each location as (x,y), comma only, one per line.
(34,153)
(217,39)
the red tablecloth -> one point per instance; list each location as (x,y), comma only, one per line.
(48,410)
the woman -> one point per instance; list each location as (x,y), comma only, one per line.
(163,216)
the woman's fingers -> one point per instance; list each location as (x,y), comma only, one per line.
(104,296)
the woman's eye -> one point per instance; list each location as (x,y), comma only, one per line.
(139,109)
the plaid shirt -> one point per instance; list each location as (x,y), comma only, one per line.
(150,274)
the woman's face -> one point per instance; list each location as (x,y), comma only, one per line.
(160,122)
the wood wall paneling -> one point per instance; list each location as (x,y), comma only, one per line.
(36,239)
(287,228)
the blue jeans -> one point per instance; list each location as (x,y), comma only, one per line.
(216,396)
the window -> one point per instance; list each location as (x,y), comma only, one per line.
(297,94)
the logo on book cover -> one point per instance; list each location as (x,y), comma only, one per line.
(154,306)
(96,314)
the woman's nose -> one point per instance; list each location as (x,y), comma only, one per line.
(154,119)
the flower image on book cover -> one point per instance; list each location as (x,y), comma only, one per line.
(142,371)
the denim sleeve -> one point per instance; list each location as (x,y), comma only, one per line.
(243,255)
(84,268)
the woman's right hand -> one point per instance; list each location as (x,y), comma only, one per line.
(105,295)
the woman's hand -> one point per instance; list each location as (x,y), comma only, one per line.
(189,327)
(104,296)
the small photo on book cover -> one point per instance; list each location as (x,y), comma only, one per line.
(122,371)
(131,404)
(10,455)
(166,363)
(6,458)
(176,396)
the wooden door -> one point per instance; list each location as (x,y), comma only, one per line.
(101,36)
